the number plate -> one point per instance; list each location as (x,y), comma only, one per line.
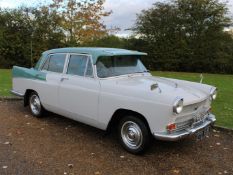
(202,133)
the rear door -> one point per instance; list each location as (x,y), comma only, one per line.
(79,89)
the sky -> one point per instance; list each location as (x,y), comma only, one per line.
(124,11)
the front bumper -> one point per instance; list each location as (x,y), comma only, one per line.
(209,120)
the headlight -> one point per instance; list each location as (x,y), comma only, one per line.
(178,106)
(213,94)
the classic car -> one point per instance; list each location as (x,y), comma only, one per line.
(111,88)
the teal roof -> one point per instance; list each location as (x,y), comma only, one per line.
(95,51)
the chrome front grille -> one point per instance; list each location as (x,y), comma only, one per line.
(192,115)
(193,121)
(184,125)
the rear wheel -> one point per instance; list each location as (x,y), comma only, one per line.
(35,105)
(133,134)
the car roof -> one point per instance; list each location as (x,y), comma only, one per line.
(95,51)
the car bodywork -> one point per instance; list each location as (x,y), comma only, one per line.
(94,100)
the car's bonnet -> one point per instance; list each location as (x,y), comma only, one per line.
(166,87)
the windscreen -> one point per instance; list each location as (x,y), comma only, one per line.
(110,66)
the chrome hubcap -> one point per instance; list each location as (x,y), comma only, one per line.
(35,104)
(131,135)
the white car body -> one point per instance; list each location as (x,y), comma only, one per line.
(94,101)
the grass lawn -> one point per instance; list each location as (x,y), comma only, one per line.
(5,82)
(222,107)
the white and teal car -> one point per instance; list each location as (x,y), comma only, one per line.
(107,87)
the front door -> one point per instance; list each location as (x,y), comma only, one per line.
(79,90)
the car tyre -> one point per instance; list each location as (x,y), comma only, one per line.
(35,105)
(134,134)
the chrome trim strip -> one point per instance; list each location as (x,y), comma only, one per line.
(185,133)
(16,93)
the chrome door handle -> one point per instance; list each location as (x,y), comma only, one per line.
(63,78)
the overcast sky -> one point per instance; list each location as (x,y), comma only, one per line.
(124,11)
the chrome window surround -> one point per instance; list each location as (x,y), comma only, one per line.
(67,62)
(48,57)
(89,57)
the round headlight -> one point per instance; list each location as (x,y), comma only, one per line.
(213,94)
(178,106)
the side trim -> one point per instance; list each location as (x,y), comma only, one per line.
(16,93)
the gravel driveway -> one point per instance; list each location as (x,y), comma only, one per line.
(56,145)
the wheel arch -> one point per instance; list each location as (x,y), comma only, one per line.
(26,96)
(120,113)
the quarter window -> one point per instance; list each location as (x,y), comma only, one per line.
(46,64)
(89,70)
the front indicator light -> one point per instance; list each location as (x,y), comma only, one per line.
(171,127)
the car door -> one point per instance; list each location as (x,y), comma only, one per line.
(53,67)
(79,90)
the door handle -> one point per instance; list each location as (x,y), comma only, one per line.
(63,78)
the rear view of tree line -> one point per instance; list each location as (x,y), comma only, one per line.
(178,35)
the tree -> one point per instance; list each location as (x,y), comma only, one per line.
(81,20)
(187,35)
(26,32)
(46,30)
(107,41)
(23,28)
(14,29)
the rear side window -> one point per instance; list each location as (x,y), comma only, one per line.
(55,63)
(80,65)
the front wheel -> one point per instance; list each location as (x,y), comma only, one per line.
(35,105)
(133,134)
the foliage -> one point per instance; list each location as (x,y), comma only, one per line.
(178,35)
(186,35)
(107,41)
(26,32)
(81,19)
(14,29)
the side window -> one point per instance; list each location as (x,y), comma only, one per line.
(56,63)
(78,64)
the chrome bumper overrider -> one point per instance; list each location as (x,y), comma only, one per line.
(209,120)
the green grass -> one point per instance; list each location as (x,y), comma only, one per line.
(222,107)
(5,82)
